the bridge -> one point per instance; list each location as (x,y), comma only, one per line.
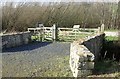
(39,59)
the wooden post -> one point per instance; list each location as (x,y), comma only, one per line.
(40,36)
(54,32)
(76,34)
(98,30)
(43,34)
(34,30)
(102,28)
(28,30)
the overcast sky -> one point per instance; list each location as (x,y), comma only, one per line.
(59,0)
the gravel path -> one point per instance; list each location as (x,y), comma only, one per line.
(37,59)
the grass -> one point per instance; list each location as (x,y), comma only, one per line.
(111,38)
(60,68)
(35,37)
(111,30)
(106,68)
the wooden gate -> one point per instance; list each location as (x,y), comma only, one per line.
(63,34)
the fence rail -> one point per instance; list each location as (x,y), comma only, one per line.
(64,33)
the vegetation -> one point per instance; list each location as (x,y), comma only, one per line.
(20,16)
(111,38)
(106,68)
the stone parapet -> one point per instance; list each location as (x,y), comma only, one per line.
(83,54)
(12,40)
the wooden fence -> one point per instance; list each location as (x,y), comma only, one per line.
(64,34)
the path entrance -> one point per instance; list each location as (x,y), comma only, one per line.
(37,59)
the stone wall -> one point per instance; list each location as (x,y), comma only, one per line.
(95,44)
(12,40)
(83,54)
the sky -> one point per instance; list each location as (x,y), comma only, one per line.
(60,0)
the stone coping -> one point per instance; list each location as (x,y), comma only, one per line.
(13,33)
(82,40)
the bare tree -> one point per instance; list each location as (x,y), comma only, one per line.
(119,18)
(20,16)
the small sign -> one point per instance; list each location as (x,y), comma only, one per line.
(76,26)
(41,25)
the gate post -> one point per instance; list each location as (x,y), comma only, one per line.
(54,32)
(102,28)
(99,30)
